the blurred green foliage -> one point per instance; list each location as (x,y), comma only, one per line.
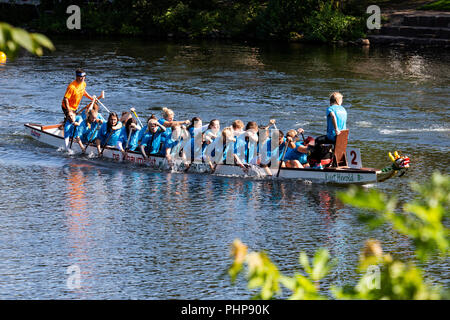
(441,5)
(12,39)
(382,276)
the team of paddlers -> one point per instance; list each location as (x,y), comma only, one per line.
(191,140)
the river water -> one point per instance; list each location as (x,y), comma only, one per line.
(137,234)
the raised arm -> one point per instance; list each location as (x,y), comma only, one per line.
(168,124)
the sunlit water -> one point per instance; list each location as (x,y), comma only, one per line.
(138,234)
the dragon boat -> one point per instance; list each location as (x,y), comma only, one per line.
(338,173)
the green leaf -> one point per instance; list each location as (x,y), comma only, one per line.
(23,38)
(304,261)
(320,264)
(2,35)
(42,40)
(371,200)
(255,282)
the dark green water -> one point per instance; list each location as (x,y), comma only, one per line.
(135,233)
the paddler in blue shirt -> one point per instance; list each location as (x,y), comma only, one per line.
(168,119)
(153,139)
(266,151)
(297,153)
(109,133)
(196,129)
(95,108)
(251,142)
(336,120)
(70,125)
(175,143)
(88,129)
(128,138)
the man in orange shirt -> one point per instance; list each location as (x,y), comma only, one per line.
(75,92)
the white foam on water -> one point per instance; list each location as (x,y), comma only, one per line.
(301,124)
(393,131)
(255,171)
(363,124)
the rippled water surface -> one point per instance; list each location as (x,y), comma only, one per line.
(138,234)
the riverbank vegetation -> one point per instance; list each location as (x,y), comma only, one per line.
(440,5)
(293,20)
(382,276)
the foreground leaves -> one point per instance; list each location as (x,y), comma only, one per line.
(11,39)
(382,277)
(421,219)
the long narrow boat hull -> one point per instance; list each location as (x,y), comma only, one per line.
(53,136)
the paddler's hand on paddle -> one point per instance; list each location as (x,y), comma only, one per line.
(300,130)
(338,132)
(187,122)
(272,122)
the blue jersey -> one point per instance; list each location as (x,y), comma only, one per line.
(142,132)
(294,154)
(170,143)
(123,138)
(266,159)
(69,128)
(341,120)
(87,134)
(104,134)
(238,149)
(153,142)
(173,145)
(251,150)
(196,150)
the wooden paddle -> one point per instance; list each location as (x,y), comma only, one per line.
(133,110)
(79,111)
(95,99)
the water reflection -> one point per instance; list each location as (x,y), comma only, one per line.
(80,235)
(142,234)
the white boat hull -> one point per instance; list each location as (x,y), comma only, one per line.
(52,136)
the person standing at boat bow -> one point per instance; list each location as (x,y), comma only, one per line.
(75,91)
(336,120)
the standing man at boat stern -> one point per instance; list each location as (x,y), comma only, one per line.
(75,92)
(336,120)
